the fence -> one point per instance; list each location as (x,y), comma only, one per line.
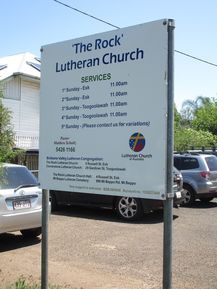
(30,159)
(27,141)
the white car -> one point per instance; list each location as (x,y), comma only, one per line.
(20,201)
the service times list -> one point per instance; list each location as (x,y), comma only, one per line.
(80,110)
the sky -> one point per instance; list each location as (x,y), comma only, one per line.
(26,25)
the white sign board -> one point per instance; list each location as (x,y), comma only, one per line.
(103,113)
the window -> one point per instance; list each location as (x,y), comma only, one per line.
(38,59)
(3,66)
(34,65)
(13,177)
(189,163)
(211,163)
(177,163)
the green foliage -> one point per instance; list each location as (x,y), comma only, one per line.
(22,284)
(198,124)
(184,138)
(190,107)
(7,154)
(206,118)
(177,118)
(6,132)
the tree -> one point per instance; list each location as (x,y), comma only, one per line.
(198,125)
(177,118)
(190,107)
(6,133)
(184,138)
(206,118)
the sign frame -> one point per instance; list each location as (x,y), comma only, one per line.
(132,168)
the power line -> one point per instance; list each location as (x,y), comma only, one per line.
(77,10)
(110,24)
(196,58)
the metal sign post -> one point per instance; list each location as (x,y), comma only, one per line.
(44,241)
(168,203)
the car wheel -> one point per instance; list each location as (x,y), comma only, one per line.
(54,204)
(189,195)
(31,233)
(128,208)
(206,200)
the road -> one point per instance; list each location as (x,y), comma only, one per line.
(93,249)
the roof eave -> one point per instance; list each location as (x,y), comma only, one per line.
(15,74)
(26,75)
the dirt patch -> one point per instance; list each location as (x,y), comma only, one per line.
(92,249)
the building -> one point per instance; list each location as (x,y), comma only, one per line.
(20,81)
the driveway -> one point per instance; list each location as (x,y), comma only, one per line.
(93,249)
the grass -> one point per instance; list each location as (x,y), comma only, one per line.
(22,284)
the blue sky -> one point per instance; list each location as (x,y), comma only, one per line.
(26,25)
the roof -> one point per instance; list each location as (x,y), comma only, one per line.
(24,63)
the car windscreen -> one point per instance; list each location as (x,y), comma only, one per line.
(211,163)
(13,177)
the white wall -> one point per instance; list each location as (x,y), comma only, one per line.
(12,88)
(21,96)
(29,110)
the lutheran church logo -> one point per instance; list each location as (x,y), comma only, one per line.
(137,142)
